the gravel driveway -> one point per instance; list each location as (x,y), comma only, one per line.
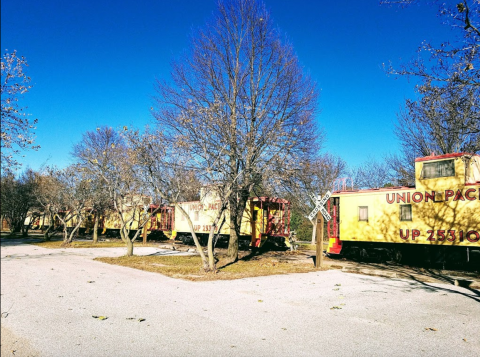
(49,298)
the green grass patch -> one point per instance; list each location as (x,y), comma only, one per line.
(190,267)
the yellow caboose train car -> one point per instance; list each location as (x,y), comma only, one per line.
(437,220)
(265,222)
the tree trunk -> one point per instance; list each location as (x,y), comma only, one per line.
(232,251)
(125,236)
(65,234)
(314,230)
(22,229)
(12,229)
(74,231)
(25,232)
(46,234)
(95,228)
(211,258)
(237,209)
(195,238)
(51,227)
(129,248)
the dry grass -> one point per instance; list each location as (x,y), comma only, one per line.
(311,247)
(111,243)
(307,247)
(190,267)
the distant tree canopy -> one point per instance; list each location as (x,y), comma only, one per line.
(17,199)
(454,62)
(445,115)
(16,128)
(371,174)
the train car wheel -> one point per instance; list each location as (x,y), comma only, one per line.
(363,253)
(397,255)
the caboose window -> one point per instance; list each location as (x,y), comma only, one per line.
(405,212)
(363,213)
(438,169)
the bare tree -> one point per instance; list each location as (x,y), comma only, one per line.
(16,128)
(372,174)
(17,200)
(445,115)
(241,101)
(75,194)
(106,156)
(402,166)
(441,121)
(43,185)
(455,62)
(99,204)
(63,194)
(174,175)
(314,177)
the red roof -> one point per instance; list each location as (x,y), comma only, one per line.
(446,156)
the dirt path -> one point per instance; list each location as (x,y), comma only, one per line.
(13,345)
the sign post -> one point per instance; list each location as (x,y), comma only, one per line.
(320,213)
(319,234)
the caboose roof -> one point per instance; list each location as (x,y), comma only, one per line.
(269,199)
(370,190)
(445,156)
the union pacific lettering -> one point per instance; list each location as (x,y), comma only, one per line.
(471,194)
(196,207)
(207,207)
(441,235)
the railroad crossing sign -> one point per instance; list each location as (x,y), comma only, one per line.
(319,202)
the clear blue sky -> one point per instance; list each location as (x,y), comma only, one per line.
(94,63)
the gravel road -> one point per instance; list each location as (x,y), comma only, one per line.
(50,297)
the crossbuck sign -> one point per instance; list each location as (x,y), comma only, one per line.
(319,202)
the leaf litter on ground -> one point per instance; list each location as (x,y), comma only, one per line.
(100,317)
